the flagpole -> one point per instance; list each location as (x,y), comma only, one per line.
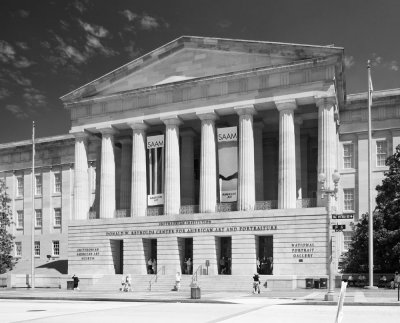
(370,213)
(33,210)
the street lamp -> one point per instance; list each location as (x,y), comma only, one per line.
(330,193)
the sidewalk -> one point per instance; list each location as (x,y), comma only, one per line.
(354,296)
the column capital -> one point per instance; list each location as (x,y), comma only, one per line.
(172,121)
(108,130)
(138,125)
(245,110)
(80,135)
(283,105)
(207,115)
(323,101)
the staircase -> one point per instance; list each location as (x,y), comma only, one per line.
(164,283)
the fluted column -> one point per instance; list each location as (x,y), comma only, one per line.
(187,167)
(126,171)
(258,160)
(327,141)
(107,174)
(297,123)
(208,163)
(287,155)
(139,177)
(246,189)
(172,191)
(81,179)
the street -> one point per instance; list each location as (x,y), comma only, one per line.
(246,310)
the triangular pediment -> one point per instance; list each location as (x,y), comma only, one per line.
(189,58)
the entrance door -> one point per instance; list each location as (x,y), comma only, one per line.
(117,252)
(150,253)
(265,255)
(225,256)
(185,246)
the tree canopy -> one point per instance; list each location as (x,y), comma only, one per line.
(7,261)
(386,226)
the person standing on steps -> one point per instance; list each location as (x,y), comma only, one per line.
(177,281)
(76,282)
(149,266)
(256,284)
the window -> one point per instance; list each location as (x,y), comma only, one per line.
(37,248)
(347,239)
(348,156)
(20,186)
(348,199)
(38,218)
(56,248)
(20,219)
(18,249)
(57,217)
(57,182)
(38,185)
(381,152)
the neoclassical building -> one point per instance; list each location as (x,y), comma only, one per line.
(208,149)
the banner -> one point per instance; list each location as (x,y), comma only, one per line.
(155,178)
(227,163)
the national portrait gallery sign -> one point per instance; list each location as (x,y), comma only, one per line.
(177,227)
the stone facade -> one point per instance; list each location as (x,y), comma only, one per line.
(293,119)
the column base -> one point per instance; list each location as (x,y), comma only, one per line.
(330,296)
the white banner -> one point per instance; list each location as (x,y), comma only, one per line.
(227,163)
(155,199)
(155,142)
(155,177)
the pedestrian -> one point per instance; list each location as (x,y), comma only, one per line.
(396,279)
(149,266)
(256,284)
(222,265)
(76,282)
(258,263)
(154,266)
(189,266)
(177,280)
(185,267)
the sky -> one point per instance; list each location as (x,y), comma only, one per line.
(51,47)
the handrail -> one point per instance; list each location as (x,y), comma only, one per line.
(156,276)
(194,276)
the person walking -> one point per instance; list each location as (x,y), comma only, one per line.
(149,266)
(256,284)
(76,282)
(177,281)
(189,266)
(154,266)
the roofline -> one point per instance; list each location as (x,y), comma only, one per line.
(197,37)
(375,94)
(37,141)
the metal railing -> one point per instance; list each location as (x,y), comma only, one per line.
(155,277)
(195,275)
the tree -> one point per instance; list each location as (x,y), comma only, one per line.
(386,226)
(7,261)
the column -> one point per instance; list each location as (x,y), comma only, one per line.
(304,166)
(246,189)
(258,160)
(172,191)
(107,174)
(208,163)
(287,155)
(139,177)
(298,121)
(327,140)
(81,180)
(187,168)
(126,171)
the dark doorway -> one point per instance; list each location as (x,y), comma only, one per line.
(150,252)
(224,246)
(117,252)
(186,255)
(265,257)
